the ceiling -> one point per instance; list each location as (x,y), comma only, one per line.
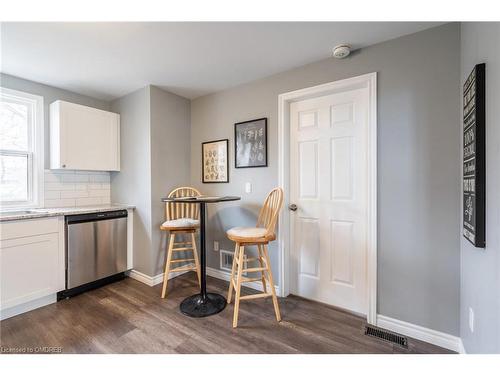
(109,60)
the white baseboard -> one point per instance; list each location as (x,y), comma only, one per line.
(152,280)
(27,306)
(222,275)
(431,336)
(218,274)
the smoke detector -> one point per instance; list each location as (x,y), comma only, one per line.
(341,51)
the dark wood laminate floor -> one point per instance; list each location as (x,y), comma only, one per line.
(130,317)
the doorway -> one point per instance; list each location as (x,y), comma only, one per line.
(327,137)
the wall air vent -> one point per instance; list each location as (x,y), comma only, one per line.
(226,260)
(386,336)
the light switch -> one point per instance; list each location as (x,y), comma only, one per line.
(216,245)
(248,187)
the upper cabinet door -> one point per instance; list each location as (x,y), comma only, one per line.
(83,138)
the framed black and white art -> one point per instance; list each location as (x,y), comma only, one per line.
(215,161)
(250,143)
(474,157)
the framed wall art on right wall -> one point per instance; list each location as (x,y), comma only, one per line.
(474,157)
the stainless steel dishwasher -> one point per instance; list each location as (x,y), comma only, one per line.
(96,250)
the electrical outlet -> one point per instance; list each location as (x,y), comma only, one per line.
(216,245)
(248,187)
(471,319)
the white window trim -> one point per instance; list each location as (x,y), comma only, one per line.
(35,184)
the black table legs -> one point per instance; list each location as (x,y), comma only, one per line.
(203,254)
(203,304)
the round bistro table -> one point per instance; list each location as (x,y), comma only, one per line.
(202,304)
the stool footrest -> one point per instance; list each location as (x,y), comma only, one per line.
(263,260)
(182,260)
(183,268)
(182,248)
(254,296)
(255,269)
(250,279)
(248,260)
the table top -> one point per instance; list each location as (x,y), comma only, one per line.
(202,199)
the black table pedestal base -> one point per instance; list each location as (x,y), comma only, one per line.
(198,307)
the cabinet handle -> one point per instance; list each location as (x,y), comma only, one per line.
(64,165)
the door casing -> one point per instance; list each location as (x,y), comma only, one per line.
(364,81)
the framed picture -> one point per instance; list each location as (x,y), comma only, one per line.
(250,143)
(474,157)
(214,161)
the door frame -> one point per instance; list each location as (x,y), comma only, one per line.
(363,81)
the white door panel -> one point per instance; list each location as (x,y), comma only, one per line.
(329,184)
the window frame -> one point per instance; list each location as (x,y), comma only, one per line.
(35,153)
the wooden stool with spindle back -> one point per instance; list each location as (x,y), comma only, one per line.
(181,219)
(260,236)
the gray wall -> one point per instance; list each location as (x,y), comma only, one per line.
(170,157)
(155,159)
(480,276)
(50,94)
(418,173)
(132,185)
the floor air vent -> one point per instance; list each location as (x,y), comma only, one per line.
(387,336)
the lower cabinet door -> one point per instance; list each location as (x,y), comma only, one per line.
(30,268)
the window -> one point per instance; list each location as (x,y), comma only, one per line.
(21,149)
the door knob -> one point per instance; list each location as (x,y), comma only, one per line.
(292,207)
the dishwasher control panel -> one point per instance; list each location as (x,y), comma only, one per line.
(73,219)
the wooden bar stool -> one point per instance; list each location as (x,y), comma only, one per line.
(260,235)
(182,219)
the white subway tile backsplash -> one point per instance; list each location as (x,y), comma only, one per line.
(99,178)
(59,186)
(89,201)
(76,188)
(53,203)
(75,178)
(102,193)
(94,186)
(81,186)
(51,177)
(74,194)
(52,194)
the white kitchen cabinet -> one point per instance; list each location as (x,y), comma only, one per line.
(32,264)
(83,138)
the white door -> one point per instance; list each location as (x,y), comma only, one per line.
(329,185)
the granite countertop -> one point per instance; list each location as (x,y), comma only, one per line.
(48,212)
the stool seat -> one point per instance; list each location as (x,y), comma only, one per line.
(180,224)
(250,234)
